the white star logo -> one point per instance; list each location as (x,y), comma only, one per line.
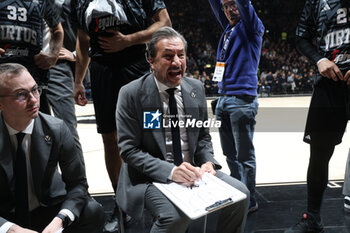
(156,115)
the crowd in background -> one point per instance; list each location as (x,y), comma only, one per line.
(282,70)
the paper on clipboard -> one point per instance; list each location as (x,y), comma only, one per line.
(212,194)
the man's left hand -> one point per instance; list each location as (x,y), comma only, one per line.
(115,43)
(207,167)
(45,60)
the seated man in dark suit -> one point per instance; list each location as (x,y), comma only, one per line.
(34,195)
(182,154)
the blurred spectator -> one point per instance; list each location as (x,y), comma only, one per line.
(290,80)
(263,86)
(283,82)
(196,75)
(208,86)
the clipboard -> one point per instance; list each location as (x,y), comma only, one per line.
(208,195)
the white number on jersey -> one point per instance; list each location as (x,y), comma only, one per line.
(22,13)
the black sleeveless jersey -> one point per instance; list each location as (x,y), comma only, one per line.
(139,15)
(21,25)
(328,21)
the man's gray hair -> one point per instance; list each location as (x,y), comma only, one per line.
(163,33)
(10,69)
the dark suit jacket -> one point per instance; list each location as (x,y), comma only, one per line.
(143,150)
(51,144)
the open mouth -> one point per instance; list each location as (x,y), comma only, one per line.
(174,73)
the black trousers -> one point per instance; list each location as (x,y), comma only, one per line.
(91,219)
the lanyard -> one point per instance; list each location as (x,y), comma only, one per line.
(226,40)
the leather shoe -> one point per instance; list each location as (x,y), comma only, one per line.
(253,208)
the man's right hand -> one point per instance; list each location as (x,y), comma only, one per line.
(79,94)
(186,174)
(329,70)
(17,229)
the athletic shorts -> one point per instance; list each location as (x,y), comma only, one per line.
(106,81)
(327,117)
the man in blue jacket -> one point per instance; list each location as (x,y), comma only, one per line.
(238,57)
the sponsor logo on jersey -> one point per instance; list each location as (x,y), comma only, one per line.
(103,23)
(341,58)
(23,52)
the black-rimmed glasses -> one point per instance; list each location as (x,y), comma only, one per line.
(24,95)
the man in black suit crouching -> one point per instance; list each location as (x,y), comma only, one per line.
(34,195)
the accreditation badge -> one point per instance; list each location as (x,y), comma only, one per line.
(219,71)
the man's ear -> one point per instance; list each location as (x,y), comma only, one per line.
(150,60)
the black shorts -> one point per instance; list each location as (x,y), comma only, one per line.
(106,81)
(327,117)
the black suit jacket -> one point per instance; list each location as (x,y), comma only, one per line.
(52,144)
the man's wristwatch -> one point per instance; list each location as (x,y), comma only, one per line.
(65,220)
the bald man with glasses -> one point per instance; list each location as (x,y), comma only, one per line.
(34,195)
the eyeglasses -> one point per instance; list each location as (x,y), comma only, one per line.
(24,95)
(229,5)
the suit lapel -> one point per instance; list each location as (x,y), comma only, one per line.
(40,152)
(6,153)
(189,95)
(150,101)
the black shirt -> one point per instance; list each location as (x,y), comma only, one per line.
(139,15)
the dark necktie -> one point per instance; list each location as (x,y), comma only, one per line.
(175,131)
(21,184)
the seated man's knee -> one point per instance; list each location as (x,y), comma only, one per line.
(173,219)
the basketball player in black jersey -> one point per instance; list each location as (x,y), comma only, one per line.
(21,35)
(328,23)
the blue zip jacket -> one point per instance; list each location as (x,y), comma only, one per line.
(243,51)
